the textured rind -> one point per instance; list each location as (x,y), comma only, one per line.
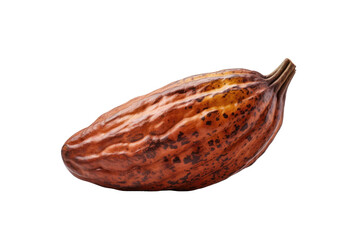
(187,135)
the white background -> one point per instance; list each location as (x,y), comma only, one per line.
(64,63)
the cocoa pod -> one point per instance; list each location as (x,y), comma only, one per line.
(187,135)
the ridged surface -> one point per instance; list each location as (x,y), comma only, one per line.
(189,134)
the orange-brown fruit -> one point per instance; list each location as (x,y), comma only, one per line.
(187,135)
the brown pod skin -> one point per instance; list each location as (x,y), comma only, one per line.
(187,135)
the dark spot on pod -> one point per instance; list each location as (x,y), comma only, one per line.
(266,118)
(218,158)
(165,146)
(183,179)
(197,176)
(157,99)
(211,143)
(180,91)
(196,134)
(217,119)
(169,143)
(137,183)
(136,137)
(248,106)
(146,175)
(150,152)
(208,122)
(203,118)
(225,115)
(217,141)
(233,133)
(218,146)
(200,99)
(190,107)
(194,158)
(185,142)
(166,159)
(172,168)
(232,113)
(209,114)
(212,149)
(197,151)
(140,157)
(244,127)
(180,136)
(176,160)
(172,182)
(187,159)
(249,138)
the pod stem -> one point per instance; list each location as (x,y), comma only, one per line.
(282,75)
